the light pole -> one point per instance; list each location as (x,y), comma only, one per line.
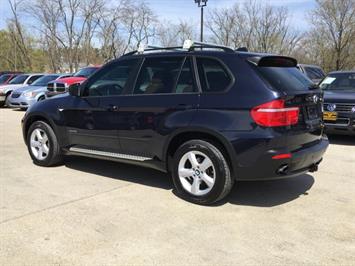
(201,4)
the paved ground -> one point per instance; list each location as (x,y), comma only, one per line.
(92,212)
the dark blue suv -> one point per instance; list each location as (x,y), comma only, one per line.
(209,115)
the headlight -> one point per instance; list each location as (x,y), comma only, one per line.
(30,94)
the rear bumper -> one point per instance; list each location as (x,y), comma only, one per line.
(302,161)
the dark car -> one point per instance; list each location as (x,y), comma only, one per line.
(314,73)
(208,116)
(339,102)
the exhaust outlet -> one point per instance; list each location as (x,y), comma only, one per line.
(283,169)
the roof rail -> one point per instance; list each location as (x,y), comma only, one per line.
(189,45)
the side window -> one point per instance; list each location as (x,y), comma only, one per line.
(213,75)
(32,79)
(158,75)
(112,80)
(186,81)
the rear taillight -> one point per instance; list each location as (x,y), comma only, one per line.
(275,114)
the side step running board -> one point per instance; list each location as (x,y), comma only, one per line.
(110,154)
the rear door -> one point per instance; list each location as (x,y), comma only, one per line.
(165,98)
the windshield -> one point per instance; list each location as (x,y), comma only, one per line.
(286,79)
(19,79)
(4,78)
(43,81)
(85,72)
(339,81)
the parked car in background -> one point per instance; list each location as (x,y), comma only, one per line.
(24,97)
(18,82)
(61,86)
(208,116)
(339,102)
(6,77)
(314,73)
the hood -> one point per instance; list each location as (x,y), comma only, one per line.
(70,80)
(339,96)
(28,88)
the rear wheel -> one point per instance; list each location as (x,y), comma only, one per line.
(201,173)
(42,145)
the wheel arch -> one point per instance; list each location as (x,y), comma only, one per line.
(34,118)
(184,135)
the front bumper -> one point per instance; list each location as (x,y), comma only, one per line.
(21,102)
(345,124)
(302,161)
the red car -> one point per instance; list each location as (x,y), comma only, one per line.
(61,86)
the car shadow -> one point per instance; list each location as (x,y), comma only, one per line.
(342,140)
(120,171)
(270,193)
(252,193)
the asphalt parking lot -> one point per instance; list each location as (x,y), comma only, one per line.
(97,212)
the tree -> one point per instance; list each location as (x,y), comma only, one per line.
(334,22)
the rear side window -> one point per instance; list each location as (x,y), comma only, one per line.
(158,75)
(286,79)
(213,75)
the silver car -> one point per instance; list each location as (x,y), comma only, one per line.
(24,97)
(18,82)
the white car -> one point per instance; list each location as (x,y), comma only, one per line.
(18,82)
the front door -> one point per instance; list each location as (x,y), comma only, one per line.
(92,119)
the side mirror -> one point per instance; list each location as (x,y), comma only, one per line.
(74,90)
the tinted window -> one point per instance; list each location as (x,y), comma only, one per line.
(286,79)
(19,79)
(314,73)
(33,79)
(186,81)
(340,81)
(158,75)
(4,78)
(213,76)
(43,81)
(112,80)
(85,72)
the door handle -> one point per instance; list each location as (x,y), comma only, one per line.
(113,108)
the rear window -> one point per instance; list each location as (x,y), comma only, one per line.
(287,79)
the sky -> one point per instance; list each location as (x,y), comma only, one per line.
(175,10)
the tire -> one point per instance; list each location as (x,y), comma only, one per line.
(209,161)
(46,145)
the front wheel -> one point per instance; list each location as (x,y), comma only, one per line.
(201,173)
(42,144)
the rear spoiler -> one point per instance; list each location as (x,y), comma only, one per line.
(273,61)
